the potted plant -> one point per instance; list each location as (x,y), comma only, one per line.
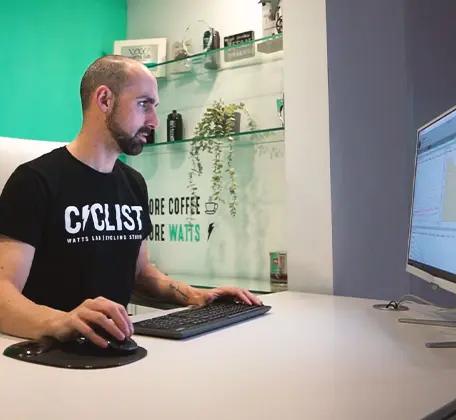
(215,129)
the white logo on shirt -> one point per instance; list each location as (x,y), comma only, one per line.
(125,217)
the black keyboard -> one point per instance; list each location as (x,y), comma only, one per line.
(189,322)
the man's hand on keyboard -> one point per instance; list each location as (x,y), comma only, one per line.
(235,293)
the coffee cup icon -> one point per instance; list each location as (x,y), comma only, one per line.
(211,207)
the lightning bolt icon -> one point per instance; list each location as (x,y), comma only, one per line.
(85,215)
(210,229)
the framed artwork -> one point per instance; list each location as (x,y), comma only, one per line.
(148,51)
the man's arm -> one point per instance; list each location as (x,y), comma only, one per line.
(157,284)
(21,317)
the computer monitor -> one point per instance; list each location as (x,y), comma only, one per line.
(432,232)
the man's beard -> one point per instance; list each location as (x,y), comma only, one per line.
(129,145)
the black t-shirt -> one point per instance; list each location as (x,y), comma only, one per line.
(86,227)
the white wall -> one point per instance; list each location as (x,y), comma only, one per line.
(309,240)
(308,214)
(239,247)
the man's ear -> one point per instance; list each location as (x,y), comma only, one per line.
(104,98)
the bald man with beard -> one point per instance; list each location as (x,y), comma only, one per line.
(74,222)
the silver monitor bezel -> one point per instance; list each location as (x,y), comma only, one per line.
(431,275)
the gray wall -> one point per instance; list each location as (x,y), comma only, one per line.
(391,67)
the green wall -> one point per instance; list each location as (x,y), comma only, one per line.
(45,46)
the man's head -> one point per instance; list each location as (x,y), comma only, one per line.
(120,94)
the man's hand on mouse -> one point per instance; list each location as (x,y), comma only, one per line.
(109,315)
(231,292)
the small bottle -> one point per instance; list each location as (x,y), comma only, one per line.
(174,126)
(211,41)
(151,137)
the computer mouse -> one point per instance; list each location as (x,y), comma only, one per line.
(128,345)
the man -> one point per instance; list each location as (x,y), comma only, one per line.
(73,222)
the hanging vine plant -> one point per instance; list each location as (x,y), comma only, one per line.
(215,131)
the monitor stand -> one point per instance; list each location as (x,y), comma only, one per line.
(436,323)
(441,345)
(396,306)
(433,322)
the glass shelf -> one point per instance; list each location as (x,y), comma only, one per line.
(264,136)
(244,54)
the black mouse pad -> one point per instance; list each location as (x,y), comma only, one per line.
(73,356)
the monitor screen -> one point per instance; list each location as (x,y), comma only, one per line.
(432,233)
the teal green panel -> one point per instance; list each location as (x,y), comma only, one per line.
(45,47)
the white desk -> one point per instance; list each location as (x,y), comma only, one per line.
(311,357)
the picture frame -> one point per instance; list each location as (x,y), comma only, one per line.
(147,51)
